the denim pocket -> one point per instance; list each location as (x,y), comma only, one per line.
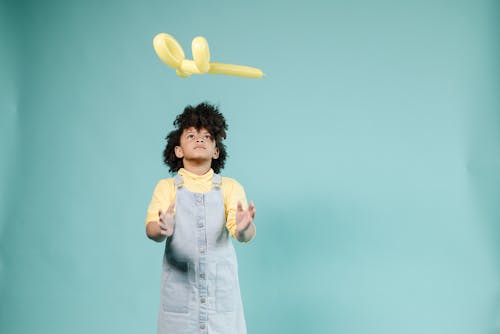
(175,289)
(225,287)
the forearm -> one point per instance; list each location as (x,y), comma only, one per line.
(153,231)
(247,234)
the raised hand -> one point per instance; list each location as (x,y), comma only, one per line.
(244,218)
(166,221)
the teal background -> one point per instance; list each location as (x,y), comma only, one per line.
(371,149)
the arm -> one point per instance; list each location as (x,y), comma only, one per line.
(163,197)
(245,228)
(164,227)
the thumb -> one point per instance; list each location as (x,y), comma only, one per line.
(171,207)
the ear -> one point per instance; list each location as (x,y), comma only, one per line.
(216,153)
(179,153)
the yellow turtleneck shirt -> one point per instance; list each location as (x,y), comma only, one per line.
(164,194)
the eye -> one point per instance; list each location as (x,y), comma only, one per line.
(208,137)
(190,136)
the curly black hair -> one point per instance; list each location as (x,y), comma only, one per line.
(204,115)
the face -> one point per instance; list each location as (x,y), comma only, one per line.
(196,145)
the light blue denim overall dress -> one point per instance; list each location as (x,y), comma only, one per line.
(200,291)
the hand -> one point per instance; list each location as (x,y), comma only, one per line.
(166,221)
(244,218)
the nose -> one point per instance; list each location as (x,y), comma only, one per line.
(200,138)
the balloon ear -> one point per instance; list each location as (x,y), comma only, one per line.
(201,54)
(178,152)
(168,50)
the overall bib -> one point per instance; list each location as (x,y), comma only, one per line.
(200,291)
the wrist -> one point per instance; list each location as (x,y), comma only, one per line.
(246,234)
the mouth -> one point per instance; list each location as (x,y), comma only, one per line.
(199,147)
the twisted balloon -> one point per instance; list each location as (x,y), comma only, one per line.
(171,53)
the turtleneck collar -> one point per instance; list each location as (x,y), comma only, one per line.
(207,177)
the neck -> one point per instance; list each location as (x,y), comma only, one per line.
(198,168)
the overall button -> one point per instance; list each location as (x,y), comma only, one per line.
(202,250)
(203,300)
(202,326)
(198,199)
(202,276)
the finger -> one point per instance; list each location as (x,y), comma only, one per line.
(239,206)
(252,213)
(160,212)
(251,207)
(171,207)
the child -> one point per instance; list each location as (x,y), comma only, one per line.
(195,212)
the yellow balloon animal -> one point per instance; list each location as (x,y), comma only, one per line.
(171,53)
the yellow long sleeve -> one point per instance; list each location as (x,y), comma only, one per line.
(164,194)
